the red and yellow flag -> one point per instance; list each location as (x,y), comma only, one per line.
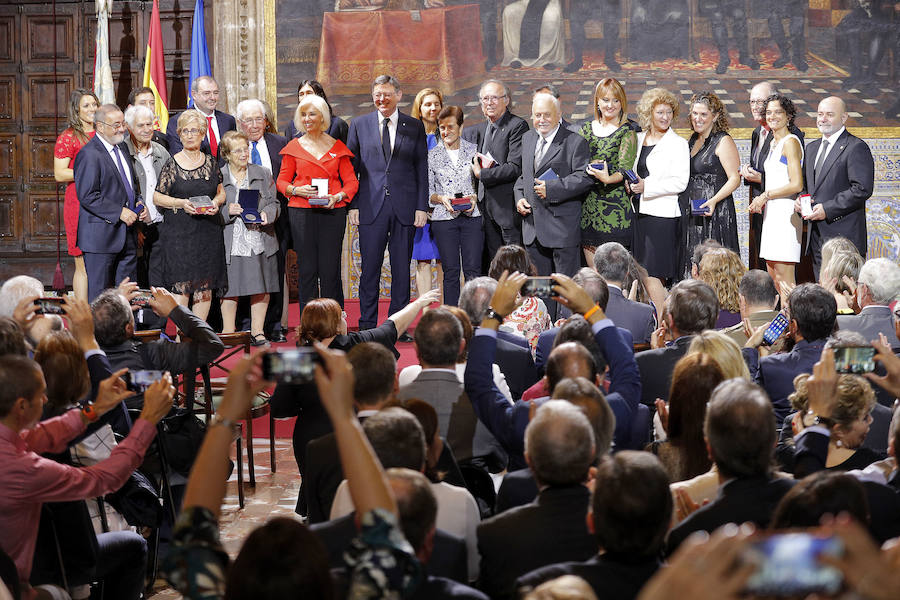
(155,69)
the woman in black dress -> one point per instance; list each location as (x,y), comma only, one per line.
(193,245)
(715,174)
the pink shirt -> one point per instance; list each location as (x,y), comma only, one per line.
(27,479)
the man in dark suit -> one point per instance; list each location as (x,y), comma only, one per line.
(508,423)
(839,173)
(692,306)
(812,312)
(109,200)
(754,172)
(612,261)
(757,298)
(391,162)
(499,138)
(205,93)
(513,358)
(438,343)
(740,434)
(550,190)
(632,509)
(265,150)
(877,286)
(559,449)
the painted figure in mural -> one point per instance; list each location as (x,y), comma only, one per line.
(533,34)
(719,12)
(610,14)
(795,10)
(867,32)
(659,29)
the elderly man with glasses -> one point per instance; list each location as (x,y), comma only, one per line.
(110,203)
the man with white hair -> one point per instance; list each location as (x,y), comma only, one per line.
(148,158)
(265,150)
(877,286)
(551,188)
(205,94)
(19,292)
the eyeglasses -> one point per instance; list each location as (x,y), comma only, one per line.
(116,125)
(491,99)
(383,95)
(254,120)
(757,103)
(193,131)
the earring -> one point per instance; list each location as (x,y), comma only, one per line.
(839,444)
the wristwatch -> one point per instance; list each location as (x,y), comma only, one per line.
(493,314)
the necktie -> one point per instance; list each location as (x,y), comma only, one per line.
(488,138)
(760,143)
(255,158)
(820,160)
(540,152)
(213,144)
(125,181)
(386,140)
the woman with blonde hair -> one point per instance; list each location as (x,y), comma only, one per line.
(426,106)
(723,350)
(662,167)
(606,215)
(722,269)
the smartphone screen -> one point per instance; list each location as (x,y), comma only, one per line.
(775,329)
(143,298)
(854,359)
(788,565)
(49,306)
(538,286)
(140,380)
(290,366)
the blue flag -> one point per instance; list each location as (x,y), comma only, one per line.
(199,52)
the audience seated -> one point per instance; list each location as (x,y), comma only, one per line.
(629,516)
(812,312)
(691,307)
(374,368)
(820,494)
(508,423)
(12,338)
(519,487)
(559,448)
(877,287)
(438,344)
(723,351)
(722,269)
(531,316)
(613,262)
(17,296)
(757,298)
(740,434)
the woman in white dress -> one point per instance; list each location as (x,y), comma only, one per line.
(782,229)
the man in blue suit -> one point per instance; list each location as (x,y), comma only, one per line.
(391,162)
(105,184)
(205,93)
(508,422)
(612,261)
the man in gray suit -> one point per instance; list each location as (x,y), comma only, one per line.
(551,188)
(877,286)
(439,343)
(612,261)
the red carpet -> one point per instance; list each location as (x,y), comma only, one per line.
(285,427)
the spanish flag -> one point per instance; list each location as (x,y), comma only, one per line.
(155,69)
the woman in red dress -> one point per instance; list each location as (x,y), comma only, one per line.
(82,106)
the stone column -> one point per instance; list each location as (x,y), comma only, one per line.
(241,33)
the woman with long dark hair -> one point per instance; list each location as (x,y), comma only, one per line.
(338,127)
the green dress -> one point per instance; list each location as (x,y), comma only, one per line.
(606,215)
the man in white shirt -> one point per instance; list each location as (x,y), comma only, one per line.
(839,174)
(205,93)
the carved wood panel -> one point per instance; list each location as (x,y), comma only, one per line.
(41,221)
(8,155)
(10,222)
(8,44)
(39,32)
(39,89)
(8,97)
(39,157)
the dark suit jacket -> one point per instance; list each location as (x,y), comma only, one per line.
(517,489)
(550,530)
(553,219)
(224,121)
(516,364)
(636,317)
(448,559)
(610,579)
(871,321)
(844,183)
(656,367)
(457,422)
(402,184)
(514,338)
(545,346)
(506,148)
(776,372)
(101,196)
(508,423)
(322,478)
(740,500)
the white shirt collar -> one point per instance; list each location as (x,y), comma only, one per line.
(439,369)
(834,136)
(205,115)
(109,147)
(549,137)
(392,118)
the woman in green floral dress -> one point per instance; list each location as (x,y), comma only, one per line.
(606,215)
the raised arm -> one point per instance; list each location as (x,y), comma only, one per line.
(404,317)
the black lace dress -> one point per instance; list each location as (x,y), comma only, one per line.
(193,246)
(707,177)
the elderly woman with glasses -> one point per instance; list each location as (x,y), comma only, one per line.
(190,194)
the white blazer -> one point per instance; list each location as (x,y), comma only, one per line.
(669,166)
